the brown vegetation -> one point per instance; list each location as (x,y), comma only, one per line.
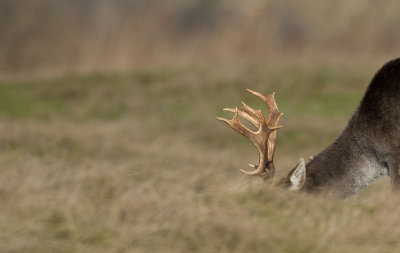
(62,36)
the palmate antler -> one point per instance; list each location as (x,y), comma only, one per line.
(265,136)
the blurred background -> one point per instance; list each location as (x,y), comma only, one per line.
(109,142)
(69,36)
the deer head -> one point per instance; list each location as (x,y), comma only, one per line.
(264,140)
(366,149)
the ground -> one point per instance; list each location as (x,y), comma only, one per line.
(136,162)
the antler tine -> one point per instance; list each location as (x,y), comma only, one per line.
(236,125)
(245,114)
(274,113)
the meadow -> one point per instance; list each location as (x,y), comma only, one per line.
(136,162)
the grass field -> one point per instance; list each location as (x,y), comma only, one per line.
(136,162)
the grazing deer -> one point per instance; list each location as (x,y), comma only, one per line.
(368,148)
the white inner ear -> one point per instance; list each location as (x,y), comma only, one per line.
(298,176)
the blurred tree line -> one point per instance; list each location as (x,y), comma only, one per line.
(56,35)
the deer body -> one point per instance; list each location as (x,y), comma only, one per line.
(368,148)
(344,167)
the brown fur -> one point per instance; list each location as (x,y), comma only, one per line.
(370,144)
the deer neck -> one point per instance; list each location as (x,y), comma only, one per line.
(344,168)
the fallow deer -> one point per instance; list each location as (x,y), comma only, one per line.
(368,147)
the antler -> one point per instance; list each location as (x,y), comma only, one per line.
(265,136)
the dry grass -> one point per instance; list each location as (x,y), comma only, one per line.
(135,162)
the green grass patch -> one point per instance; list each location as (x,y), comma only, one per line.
(328,105)
(22,101)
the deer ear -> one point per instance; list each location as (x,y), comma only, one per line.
(297,176)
